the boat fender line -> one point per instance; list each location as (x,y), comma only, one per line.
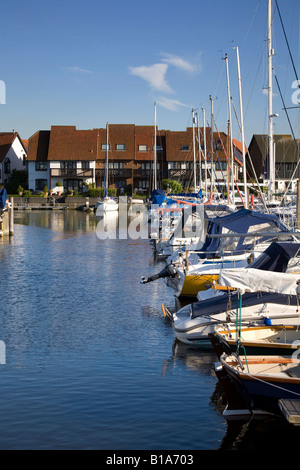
(168,271)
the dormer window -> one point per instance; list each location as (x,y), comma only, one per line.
(103,146)
(120,147)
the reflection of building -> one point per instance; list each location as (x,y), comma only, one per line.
(286,151)
(12,155)
(74,157)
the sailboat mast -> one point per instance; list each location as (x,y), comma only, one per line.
(230,127)
(194,150)
(270,105)
(205,152)
(242,128)
(105,188)
(199,149)
(155,152)
(212,176)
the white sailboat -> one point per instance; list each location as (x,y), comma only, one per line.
(107,203)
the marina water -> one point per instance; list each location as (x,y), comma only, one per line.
(90,361)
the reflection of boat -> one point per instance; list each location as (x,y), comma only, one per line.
(107,225)
(197,360)
(193,323)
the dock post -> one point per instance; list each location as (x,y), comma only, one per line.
(11,216)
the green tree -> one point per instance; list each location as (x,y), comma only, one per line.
(174,186)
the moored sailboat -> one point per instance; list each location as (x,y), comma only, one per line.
(107,203)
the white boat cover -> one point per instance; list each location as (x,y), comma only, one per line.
(257,280)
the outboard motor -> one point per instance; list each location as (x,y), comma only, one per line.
(168,271)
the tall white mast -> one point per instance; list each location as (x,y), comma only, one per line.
(194,151)
(242,129)
(230,128)
(212,176)
(270,105)
(155,152)
(105,191)
(205,152)
(199,148)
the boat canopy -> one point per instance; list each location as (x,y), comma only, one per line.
(277,256)
(229,302)
(3,196)
(258,280)
(281,254)
(267,273)
(157,197)
(243,223)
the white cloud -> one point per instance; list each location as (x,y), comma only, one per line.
(170,104)
(180,63)
(77,69)
(154,74)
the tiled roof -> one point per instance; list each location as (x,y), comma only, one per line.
(6,140)
(38,146)
(67,143)
(239,146)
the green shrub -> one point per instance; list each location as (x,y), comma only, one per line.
(173,186)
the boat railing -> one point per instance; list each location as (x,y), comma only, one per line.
(224,257)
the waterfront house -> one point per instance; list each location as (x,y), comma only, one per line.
(74,157)
(61,159)
(13,155)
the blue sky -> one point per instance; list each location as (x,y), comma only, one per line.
(85,63)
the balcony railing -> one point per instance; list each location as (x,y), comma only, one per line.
(117,173)
(72,172)
(180,173)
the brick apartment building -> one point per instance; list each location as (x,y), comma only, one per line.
(73,157)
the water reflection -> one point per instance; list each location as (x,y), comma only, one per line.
(68,223)
(86,339)
(262,434)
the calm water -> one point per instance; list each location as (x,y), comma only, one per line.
(91,363)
